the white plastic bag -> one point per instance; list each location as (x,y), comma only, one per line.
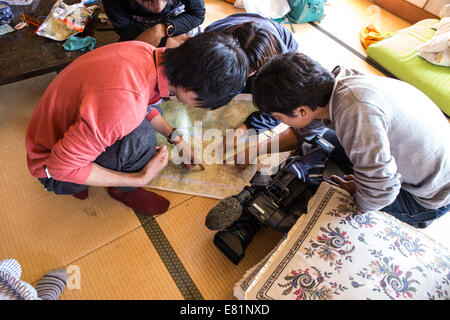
(267,8)
(64,20)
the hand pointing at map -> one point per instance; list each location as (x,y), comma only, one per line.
(187,154)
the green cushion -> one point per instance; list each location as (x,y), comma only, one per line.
(397,54)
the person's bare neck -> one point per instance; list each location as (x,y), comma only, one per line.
(322,112)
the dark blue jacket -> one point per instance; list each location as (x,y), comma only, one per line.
(130,19)
(283,36)
(259,121)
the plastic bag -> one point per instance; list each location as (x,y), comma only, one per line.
(268,8)
(65,20)
(76,16)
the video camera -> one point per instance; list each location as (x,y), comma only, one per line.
(273,201)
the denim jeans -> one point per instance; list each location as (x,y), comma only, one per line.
(404,207)
(129,154)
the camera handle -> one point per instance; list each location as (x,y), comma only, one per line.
(321,142)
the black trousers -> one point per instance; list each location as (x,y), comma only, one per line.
(130,154)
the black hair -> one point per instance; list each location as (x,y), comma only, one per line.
(290,80)
(257,42)
(211,64)
(142,3)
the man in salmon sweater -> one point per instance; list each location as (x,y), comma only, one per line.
(95,124)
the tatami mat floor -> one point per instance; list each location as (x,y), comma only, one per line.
(112,252)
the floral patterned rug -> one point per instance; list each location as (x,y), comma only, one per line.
(336,251)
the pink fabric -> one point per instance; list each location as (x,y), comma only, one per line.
(95,101)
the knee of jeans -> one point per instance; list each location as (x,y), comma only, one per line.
(417,217)
(130,152)
(159,110)
(134,156)
(443,210)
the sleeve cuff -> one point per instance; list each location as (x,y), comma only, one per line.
(152,114)
(78,176)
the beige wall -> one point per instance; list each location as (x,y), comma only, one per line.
(433,6)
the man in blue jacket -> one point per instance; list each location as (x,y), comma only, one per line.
(154,20)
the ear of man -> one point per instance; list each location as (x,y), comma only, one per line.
(301,111)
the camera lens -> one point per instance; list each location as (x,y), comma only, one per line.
(233,240)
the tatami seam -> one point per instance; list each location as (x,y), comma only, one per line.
(168,255)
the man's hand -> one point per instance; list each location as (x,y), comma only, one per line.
(187,155)
(285,141)
(153,35)
(155,165)
(104,177)
(227,144)
(243,158)
(348,183)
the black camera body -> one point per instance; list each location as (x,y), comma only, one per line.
(273,201)
(276,205)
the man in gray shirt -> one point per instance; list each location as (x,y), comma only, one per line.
(396,139)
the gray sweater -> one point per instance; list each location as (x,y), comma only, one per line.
(395,137)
